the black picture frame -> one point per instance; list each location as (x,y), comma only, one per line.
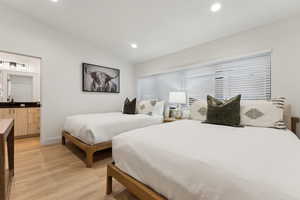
(100,79)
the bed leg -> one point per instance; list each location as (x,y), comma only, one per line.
(89,159)
(108,185)
(63,140)
(108,182)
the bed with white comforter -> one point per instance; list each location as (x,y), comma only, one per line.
(102,127)
(189,160)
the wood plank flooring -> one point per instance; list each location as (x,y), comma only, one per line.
(57,172)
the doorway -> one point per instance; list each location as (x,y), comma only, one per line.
(20,93)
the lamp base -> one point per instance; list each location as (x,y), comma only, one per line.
(178,114)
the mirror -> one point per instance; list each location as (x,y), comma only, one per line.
(19,78)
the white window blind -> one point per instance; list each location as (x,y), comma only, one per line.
(199,86)
(146,88)
(199,82)
(250,77)
(159,86)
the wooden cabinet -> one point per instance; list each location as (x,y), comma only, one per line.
(21,121)
(27,120)
(7,113)
(33,121)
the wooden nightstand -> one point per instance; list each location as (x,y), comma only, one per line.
(167,120)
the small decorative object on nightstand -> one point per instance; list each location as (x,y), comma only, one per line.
(167,120)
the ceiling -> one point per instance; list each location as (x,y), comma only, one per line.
(159,27)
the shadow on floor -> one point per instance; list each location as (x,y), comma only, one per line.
(98,156)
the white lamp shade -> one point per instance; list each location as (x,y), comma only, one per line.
(177,97)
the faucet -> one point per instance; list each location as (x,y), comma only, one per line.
(10,99)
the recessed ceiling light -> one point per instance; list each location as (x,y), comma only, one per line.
(134,46)
(54,1)
(216,7)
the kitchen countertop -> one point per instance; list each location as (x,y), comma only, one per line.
(19,104)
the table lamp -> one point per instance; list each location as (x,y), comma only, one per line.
(177,98)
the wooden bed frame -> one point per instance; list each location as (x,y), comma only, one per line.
(137,188)
(87,148)
(140,190)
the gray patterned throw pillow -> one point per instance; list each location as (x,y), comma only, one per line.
(198,110)
(262,113)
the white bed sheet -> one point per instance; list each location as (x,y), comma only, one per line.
(102,127)
(188,160)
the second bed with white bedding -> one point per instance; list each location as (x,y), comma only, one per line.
(190,160)
(102,127)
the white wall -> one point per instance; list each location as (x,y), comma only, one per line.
(62,56)
(282,37)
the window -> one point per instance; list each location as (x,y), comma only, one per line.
(146,88)
(159,86)
(249,76)
(199,83)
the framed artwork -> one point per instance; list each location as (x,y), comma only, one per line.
(97,78)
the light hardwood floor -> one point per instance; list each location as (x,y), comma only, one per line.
(57,172)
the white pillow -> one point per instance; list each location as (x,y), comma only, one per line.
(199,110)
(260,113)
(152,107)
(159,108)
(146,106)
(263,113)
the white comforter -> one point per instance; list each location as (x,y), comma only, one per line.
(187,160)
(102,127)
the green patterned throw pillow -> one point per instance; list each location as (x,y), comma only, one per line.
(224,112)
